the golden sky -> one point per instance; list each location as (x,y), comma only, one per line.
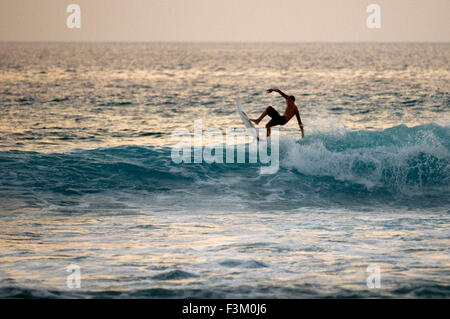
(226,20)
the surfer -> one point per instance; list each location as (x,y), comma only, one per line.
(277,119)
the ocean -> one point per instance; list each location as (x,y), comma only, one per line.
(93,205)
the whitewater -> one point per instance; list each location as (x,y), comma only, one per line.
(87,177)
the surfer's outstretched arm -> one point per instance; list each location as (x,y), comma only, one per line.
(278,91)
(299,120)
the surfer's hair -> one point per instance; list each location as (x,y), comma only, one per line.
(292,98)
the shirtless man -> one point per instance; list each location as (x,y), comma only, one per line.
(277,119)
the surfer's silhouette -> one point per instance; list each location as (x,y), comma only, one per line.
(277,119)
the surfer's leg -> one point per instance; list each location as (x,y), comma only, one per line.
(268,129)
(269,110)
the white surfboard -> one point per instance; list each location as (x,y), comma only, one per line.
(249,125)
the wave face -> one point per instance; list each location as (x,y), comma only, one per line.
(399,165)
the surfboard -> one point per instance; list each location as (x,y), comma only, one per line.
(249,125)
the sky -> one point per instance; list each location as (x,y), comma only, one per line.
(226,21)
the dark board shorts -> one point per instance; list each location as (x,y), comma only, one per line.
(277,119)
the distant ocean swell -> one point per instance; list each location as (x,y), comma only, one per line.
(399,165)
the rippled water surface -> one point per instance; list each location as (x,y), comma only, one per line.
(87,178)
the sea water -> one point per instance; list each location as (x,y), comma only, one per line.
(87,180)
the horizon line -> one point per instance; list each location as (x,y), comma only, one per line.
(228,42)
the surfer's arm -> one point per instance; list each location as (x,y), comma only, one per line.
(299,120)
(278,91)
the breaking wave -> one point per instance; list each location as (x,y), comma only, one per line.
(398,165)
